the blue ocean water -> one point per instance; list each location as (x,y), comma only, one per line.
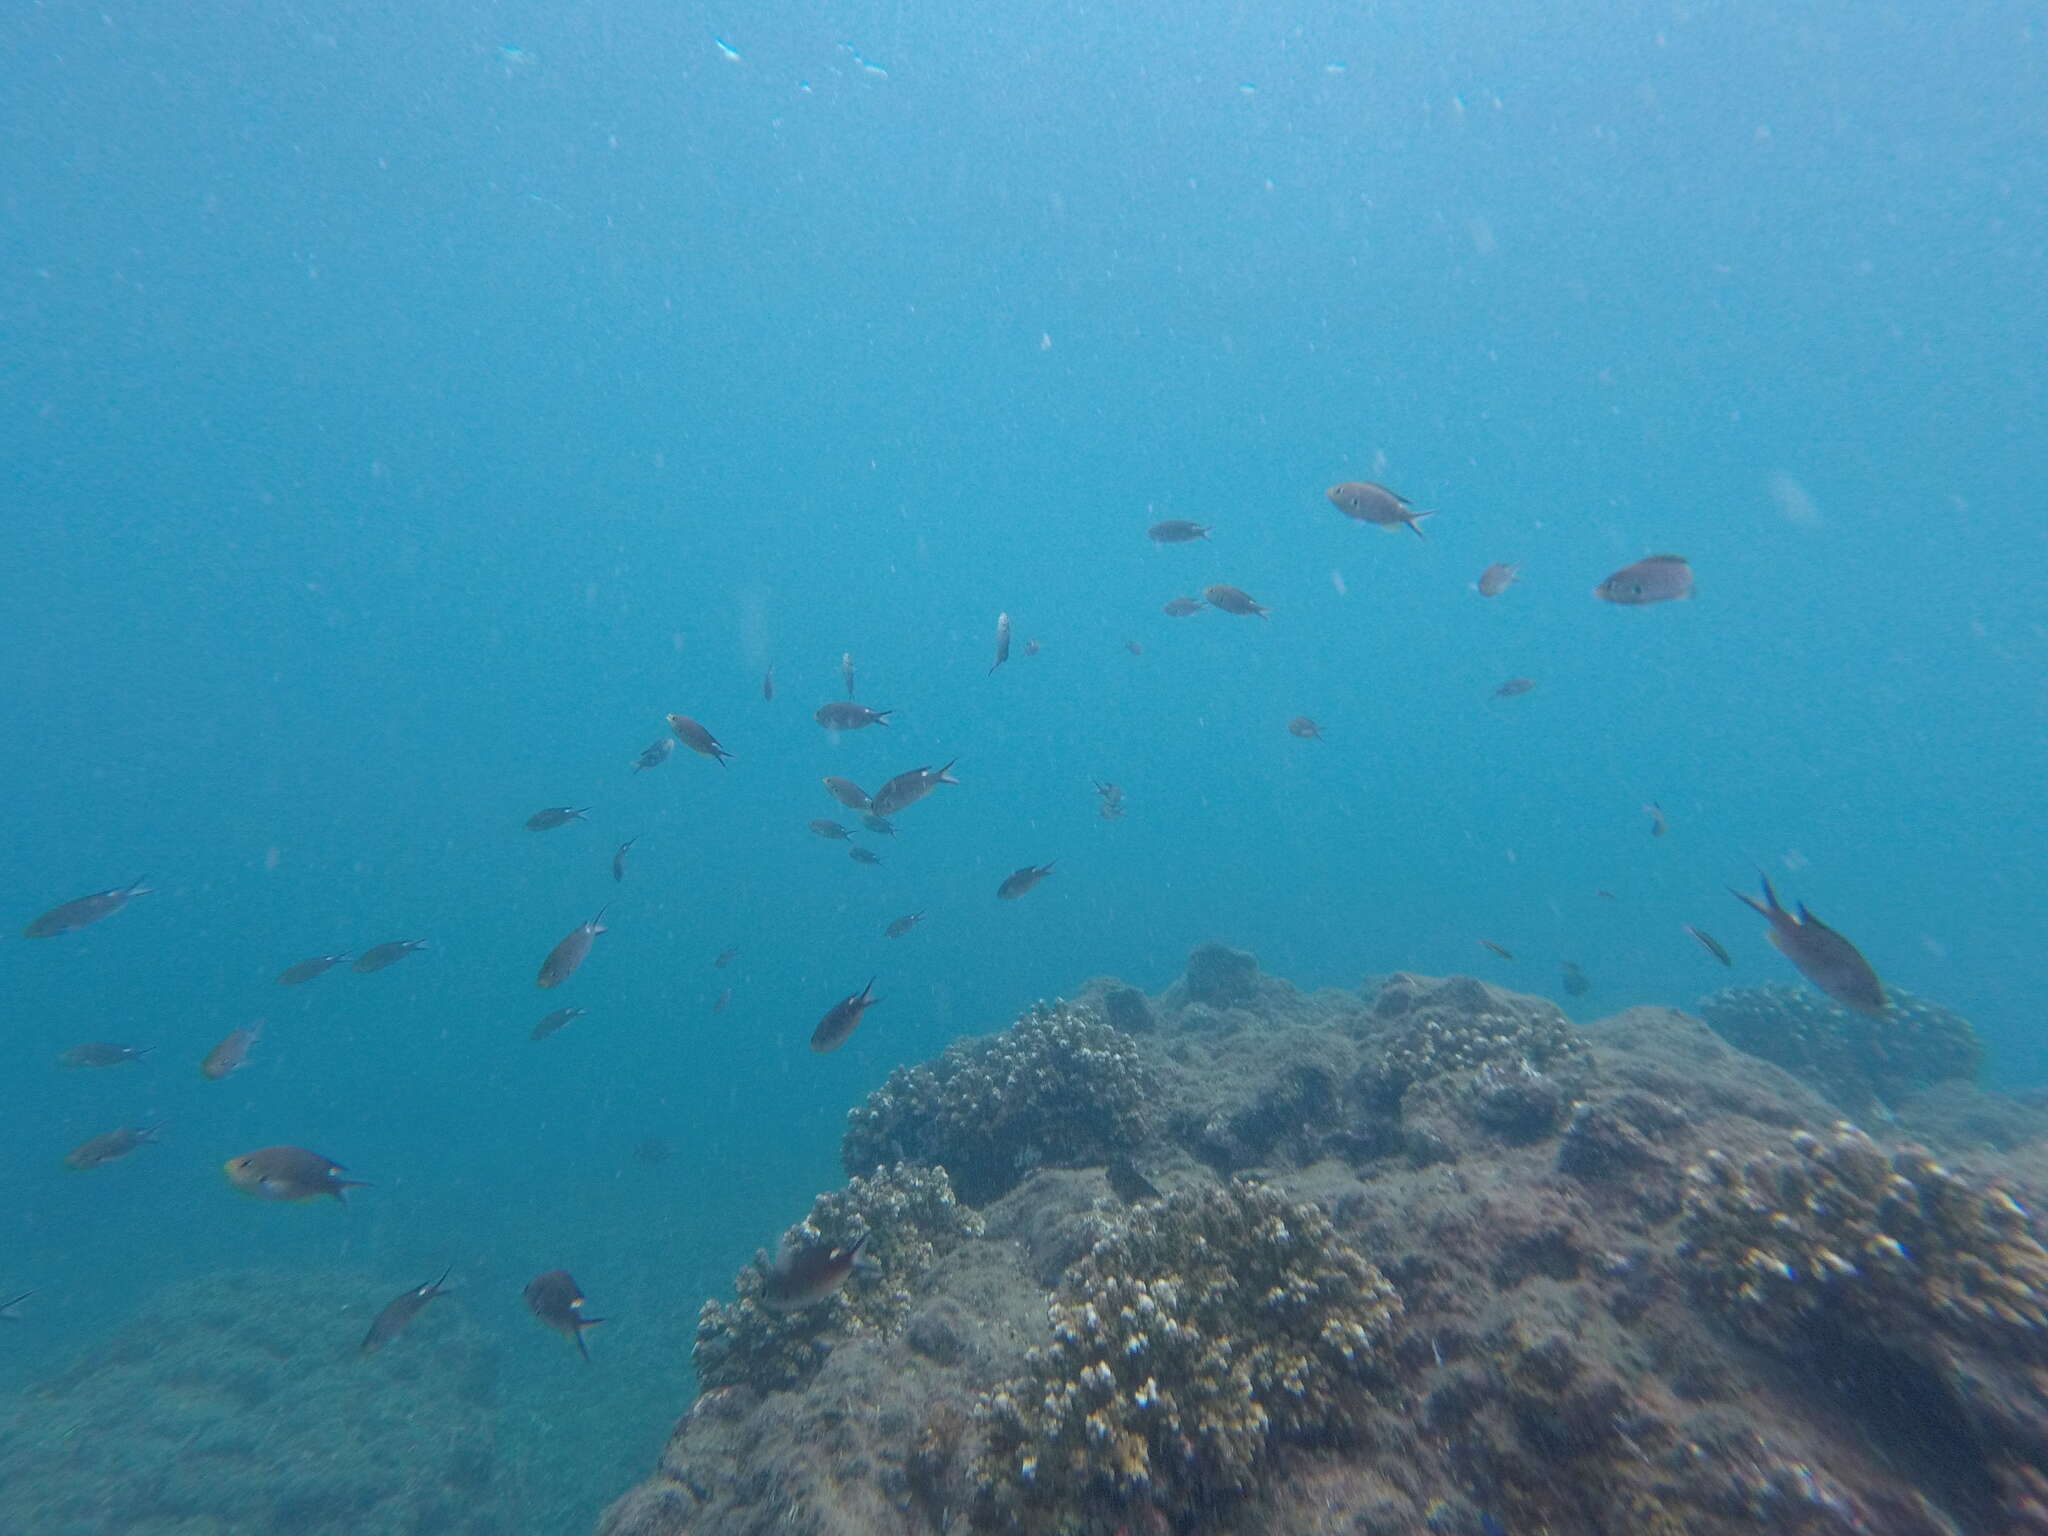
(405,410)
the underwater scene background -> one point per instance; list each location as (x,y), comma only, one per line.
(406,409)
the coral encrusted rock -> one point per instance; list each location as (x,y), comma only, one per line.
(1199,1335)
(1059,1087)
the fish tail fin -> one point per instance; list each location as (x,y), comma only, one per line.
(340,1187)
(141,888)
(1414,522)
(583,1324)
(945,775)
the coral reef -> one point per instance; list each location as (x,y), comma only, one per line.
(1060,1086)
(1859,1064)
(1459,1025)
(238,1402)
(908,1216)
(1198,1335)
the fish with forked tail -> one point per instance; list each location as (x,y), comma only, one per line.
(1820,954)
(400,1310)
(288,1173)
(805,1274)
(557,1301)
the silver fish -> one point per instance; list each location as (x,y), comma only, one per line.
(846,671)
(1002,641)
(1364,502)
(1658,579)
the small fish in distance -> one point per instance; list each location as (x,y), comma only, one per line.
(378,956)
(654,755)
(8,1312)
(1020,881)
(232,1054)
(571,952)
(1234,600)
(902,925)
(841,715)
(821,827)
(1365,502)
(557,1301)
(555,816)
(861,855)
(1710,944)
(1305,728)
(881,826)
(1576,982)
(1002,641)
(1134,648)
(842,1018)
(1176,530)
(1658,824)
(726,957)
(768,683)
(289,1173)
(84,911)
(1496,579)
(101,1150)
(98,1053)
(805,1274)
(697,739)
(1820,954)
(399,1311)
(1504,953)
(298,975)
(1659,579)
(1514,688)
(722,1001)
(619,859)
(846,671)
(1181,607)
(911,786)
(555,1021)
(847,793)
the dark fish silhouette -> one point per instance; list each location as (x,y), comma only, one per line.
(1363,501)
(721,1002)
(1576,982)
(907,788)
(863,855)
(574,949)
(306,970)
(619,859)
(1181,607)
(557,1300)
(399,1311)
(725,957)
(881,826)
(902,925)
(1020,881)
(555,1021)
(768,683)
(1305,728)
(84,911)
(378,956)
(1234,600)
(842,1018)
(828,829)
(1504,953)
(555,816)
(100,1150)
(1820,954)
(697,739)
(1659,579)
(655,755)
(841,715)
(288,1173)
(1127,1183)
(804,1274)
(97,1053)
(1176,530)
(1514,688)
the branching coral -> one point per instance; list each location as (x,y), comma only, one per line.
(909,1217)
(1198,1335)
(1858,1063)
(1059,1086)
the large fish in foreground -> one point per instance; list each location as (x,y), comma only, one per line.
(1820,954)
(84,911)
(574,949)
(399,1311)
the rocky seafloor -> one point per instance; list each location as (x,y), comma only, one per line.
(1421,1257)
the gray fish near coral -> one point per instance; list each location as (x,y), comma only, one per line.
(573,950)
(101,1150)
(1820,954)
(1710,944)
(805,1274)
(1498,949)
(98,1053)
(1127,1183)
(232,1053)
(1020,881)
(555,816)
(698,739)
(907,788)
(1576,982)
(401,1310)
(289,1173)
(843,1018)
(378,956)
(557,1301)
(1363,501)
(84,911)
(306,970)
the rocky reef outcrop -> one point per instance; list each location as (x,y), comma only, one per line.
(239,1403)
(1417,1257)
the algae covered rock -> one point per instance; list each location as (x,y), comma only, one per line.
(908,1216)
(1200,1335)
(239,1402)
(1859,1064)
(1060,1086)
